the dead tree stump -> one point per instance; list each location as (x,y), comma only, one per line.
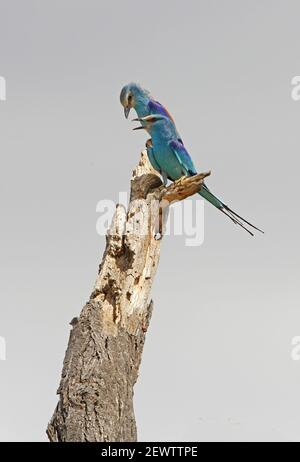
(106,342)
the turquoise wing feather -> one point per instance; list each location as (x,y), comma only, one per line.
(183,158)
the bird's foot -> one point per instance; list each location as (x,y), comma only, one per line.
(180,180)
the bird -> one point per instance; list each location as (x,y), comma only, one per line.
(133,96)
(171,159)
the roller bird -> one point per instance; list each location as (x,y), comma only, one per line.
(171,159)
(133,96)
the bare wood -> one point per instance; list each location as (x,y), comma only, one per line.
(106,341)
(184,187)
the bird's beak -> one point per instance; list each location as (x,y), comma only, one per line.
(126,111)
(138,119)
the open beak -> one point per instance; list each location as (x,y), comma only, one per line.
(126,111)
(138,119)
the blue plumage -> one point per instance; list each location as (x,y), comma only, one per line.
(166,151)
(133,96)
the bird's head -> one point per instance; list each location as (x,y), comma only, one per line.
(131,94)
(152,123)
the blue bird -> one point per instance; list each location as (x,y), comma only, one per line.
(170,158)
(133,96)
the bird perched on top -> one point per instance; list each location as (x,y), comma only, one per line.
(166,151)
(133,96)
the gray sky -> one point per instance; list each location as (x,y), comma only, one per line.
(222,370)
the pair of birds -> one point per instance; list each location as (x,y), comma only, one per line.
(166,150)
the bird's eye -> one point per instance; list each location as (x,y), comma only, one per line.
(129,98)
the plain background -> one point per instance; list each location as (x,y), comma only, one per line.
(217,362)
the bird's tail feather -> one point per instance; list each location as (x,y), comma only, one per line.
(237,219)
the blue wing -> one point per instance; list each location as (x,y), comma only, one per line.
(152,159)
(154,107)
(183,157)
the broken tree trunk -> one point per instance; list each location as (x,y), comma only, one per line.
(106,342)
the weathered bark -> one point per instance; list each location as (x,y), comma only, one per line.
(106,342)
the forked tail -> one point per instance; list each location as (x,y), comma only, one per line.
(237,219)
